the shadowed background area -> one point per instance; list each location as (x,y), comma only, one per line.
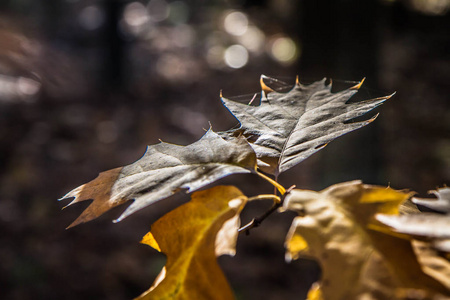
(85,85)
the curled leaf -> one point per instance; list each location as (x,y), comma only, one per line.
(420,225)
(441,204)
(286,128)
(337,227)
(192,236)
(425,226)
(433,264)
(164,170)
(429,226)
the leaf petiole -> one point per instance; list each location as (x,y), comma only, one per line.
(275,198)
(279,187)
(277,203)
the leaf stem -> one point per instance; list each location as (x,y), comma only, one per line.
(279,187)
(257,221)
(277,203)
(275,198)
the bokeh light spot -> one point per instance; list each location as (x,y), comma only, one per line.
(284,50)
(236,56)
(91,17)
(253,39)
(135,14)
(27,86)
(235,23)
(158,10)
(178,12)
(215,57)
(183,36)
(431,7)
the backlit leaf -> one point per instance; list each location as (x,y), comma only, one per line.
(441,204)
(429,226)
(162,171)
(358,259)
(433,264)
(191,236)
(286,128)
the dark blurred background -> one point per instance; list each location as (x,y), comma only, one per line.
(85,85)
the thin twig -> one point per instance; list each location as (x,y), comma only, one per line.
(278,202)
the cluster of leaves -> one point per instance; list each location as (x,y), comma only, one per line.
(351,229)
(344,228)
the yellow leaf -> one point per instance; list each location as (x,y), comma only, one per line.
(433,264)
(295,244)
(357,262)
(191,236)
(149,239)
(314,293)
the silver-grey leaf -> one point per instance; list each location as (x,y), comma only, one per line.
(441,204)
(429,225)
(432,227)
(163,170)
(286,128)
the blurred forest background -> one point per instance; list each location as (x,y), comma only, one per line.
(85,85)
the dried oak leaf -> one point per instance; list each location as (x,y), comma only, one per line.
(192,236)
(432,262)
(433,227)
(441,204)
(163,170)
(286,128)
(359,260)
(427,226)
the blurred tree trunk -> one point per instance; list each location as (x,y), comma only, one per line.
(114,45)
(333,46)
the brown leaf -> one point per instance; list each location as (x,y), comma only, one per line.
(337,228)
(192,236)
(432,263)
(164,170)
(286,128)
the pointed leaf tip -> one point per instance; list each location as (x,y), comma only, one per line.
(373,118)
(265,88)
(390,96)
(358,86)
(149,240)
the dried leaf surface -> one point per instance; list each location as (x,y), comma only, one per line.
(441,204)
(192,236)
(163,170)
(433,264)
(336,228)
(427,225)
(432,227)
(286,128)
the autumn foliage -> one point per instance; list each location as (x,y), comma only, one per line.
(371,242)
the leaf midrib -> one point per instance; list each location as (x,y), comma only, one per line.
(294,130)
